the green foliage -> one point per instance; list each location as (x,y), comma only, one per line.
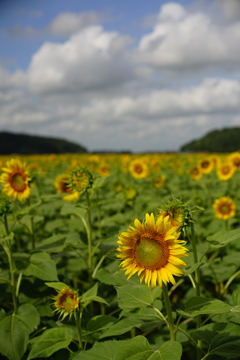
(50,244)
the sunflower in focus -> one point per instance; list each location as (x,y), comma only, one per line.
(224,208)
(206,165)
(62,187)
(66,302)
(152,250)
(234,158)
(225,171)
(138,169)
(16,180)
(195,172)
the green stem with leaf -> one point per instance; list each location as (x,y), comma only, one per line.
(90,254)
(79,324)
(8,250)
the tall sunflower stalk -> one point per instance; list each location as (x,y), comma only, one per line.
(81,180)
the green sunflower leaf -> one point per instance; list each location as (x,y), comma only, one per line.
(222,238)
(139,296)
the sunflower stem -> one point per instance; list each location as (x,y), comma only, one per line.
(8,250)
(89,236)
(32,233)
(169,313)
(79,324)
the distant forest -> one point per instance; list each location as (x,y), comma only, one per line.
(225,140)
(27,144)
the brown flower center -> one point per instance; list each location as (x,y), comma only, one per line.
(205,164)
(18,181)
(225,209)
(151,253)
(68,301)
(226,169)
(64,187)
(138,168)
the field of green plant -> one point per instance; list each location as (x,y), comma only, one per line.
(120,257)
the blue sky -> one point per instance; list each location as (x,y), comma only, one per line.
(120,75)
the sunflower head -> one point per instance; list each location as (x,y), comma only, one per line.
(224,208)
(234,158)
(152,250)
(195,172)
(158,181)
(5,203)
(206,165)
(80,180)
(16,180)
(138,169)
(225,171)
(178,213)
(66,302)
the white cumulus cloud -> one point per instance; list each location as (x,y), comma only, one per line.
(188,40)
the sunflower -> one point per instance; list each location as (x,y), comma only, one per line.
(66,302)
(206,165)
(152,250)
(234,158)
(15,179)
(139,169)
(225,171)
(195,172)
(104,169)
(224,208)
(62,187)
(158,181)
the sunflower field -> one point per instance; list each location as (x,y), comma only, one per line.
(120,257)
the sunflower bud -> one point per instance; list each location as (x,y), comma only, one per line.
(178,212)
(80,180)
(66,302)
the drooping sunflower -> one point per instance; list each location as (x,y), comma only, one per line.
(152,250)
(66,302)
(62,187)
(225,171)
(16,180)
(138,169)
(224,208)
